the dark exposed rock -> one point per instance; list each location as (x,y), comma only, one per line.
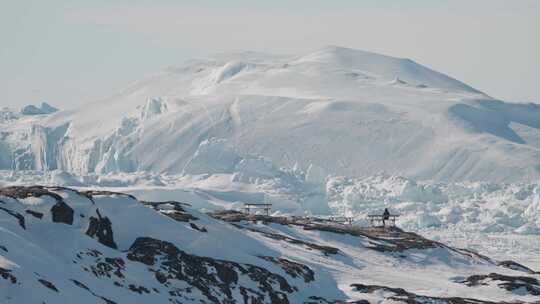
(472,254)
(35,214)
(104,266)
(181,217)
(175,203)
(91,193)
(233,216)
(327,250)
(108,268)
(25,192)
(389,239)
(373,288)
(516,266)
(215,279)
(321,300)
(4,248)
(138,289)
(48,284)
(510,283)
(172,209)
(16,215)
(221,281)
(194,226)
(62,213)
(230,216)
(401,295)
(93,253)
(118,284)
(101,228)
(160,277)
(81,285)
(292,268)
(6,275)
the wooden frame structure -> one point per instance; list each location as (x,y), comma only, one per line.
(345,220)
(375,219)
(265,207)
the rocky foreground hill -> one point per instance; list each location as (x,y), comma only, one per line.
(60,245)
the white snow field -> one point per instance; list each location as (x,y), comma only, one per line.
(59,245)
(348,112)
(333,132)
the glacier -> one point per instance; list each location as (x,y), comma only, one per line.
(333,132)
(348,112)
(163,166)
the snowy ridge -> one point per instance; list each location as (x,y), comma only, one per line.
(479,207)
(383,67)
(112,248)
(346,111)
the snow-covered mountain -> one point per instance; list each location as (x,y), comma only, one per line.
(342,111)
(336,132)
(60,245)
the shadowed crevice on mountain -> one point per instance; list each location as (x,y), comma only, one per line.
(494,117)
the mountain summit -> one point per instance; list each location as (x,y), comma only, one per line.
(344,111)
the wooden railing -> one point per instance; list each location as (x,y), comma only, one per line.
(377,220)
(265,207)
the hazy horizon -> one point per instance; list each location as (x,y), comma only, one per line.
(70,53)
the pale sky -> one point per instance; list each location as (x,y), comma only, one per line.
(69,52)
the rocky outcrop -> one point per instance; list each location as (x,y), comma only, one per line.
(401,295)
(35,214)
(390,239)
(100,228)
(101,266)
(321,300)
(172,209)
(516,266)
(7,275)
(326,250)
(292,268)
(18,216)
(83,286)
(48,284)
(291,259)
(511,283)
(62,213)
(31,191)
(215,279)
(91,193)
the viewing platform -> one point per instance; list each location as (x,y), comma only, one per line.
(379,220)
(250,207)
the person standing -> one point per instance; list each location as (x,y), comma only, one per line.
(385,216)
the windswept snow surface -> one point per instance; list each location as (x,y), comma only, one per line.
(495,218)
(59,245)
(347,112)
(308,133)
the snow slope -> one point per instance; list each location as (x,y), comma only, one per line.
(499,219)
(59,245)
(343,111)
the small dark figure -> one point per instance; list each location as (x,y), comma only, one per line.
(385,216)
